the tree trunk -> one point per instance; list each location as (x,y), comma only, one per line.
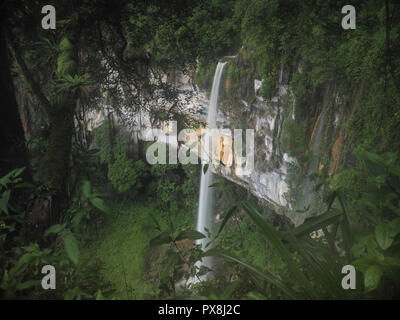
(13,152)
(56,165)
(57,162)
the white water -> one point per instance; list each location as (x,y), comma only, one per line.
(205,212)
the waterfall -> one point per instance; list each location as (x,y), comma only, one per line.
(205,214)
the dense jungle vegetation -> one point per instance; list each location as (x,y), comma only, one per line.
(115,227)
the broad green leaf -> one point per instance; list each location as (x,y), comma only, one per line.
(191,234)
(6,179)
(317,223)
(32,247)
(215,184)
(372,277)
(71,248)
(24,185)
(395,227)
(5,197)
(372,247)
(21,265)
(265,275)
(163,238)
(99,204)
(205,168)
(358,248)
(331,199)
(155,221)
(17,172)
(361,264)
(390,262)
(86,189)
(28,284)
(373,157)
(383,235)
(228,214)
(274,239)
(346,228)
(78,218)
(55,228)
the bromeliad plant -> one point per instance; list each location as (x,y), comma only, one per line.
(314,264)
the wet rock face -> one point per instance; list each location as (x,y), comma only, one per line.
(268,180)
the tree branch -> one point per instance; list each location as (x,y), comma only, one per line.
(28,76)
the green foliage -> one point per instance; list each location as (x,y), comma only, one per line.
(375,206)
(130,266)
(275,34)
(71,248)
(204,75)
(25,268)
(298,37)
(212,27)
(102,141)
(314,265)
(169,182)
(66,62)
(303,93)
(260,35)
(68,231)
(19,262)
(125,174)
(268,89)
(373,124)
(10,206)
(7,183)
(172,265)
(73,83)
(94,198)
(294,140)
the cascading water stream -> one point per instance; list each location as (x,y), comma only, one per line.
(205,212)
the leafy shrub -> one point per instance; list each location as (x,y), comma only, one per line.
(302,267)
(125,174)
(375,191)
(268,89)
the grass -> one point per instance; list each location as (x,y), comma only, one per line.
(122,248)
